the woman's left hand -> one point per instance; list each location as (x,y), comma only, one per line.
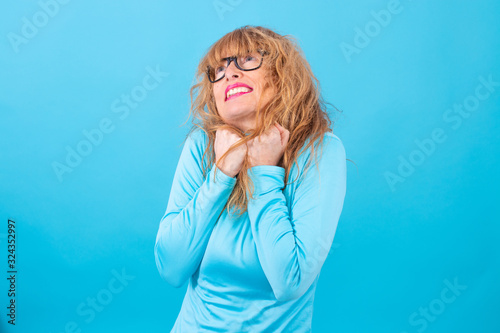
(268,148)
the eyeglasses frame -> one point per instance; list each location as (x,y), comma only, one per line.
(230,59)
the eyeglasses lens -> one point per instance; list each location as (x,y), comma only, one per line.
(247,62)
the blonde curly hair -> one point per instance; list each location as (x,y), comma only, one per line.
(297,106)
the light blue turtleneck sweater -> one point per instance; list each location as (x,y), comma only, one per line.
(256,273)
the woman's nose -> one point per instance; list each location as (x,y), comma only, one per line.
(232,71)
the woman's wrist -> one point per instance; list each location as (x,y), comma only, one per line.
(226,171)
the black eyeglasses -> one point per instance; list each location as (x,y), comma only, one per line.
(248,62)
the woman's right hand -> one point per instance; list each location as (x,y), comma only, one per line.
(232,163)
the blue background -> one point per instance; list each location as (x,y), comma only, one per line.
(397,244)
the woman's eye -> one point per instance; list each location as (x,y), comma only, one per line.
(219,69)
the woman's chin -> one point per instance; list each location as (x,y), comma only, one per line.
(240,120)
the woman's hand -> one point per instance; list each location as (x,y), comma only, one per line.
(232,163)
(267,148)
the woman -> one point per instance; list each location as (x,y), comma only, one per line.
(251,230)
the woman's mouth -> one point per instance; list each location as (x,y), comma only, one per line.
(235,92)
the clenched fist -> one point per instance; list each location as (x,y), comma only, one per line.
(268,148)
(232,162)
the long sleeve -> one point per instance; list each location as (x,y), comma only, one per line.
(293,243)
(193,207)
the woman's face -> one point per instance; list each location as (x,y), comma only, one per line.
(240,109)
